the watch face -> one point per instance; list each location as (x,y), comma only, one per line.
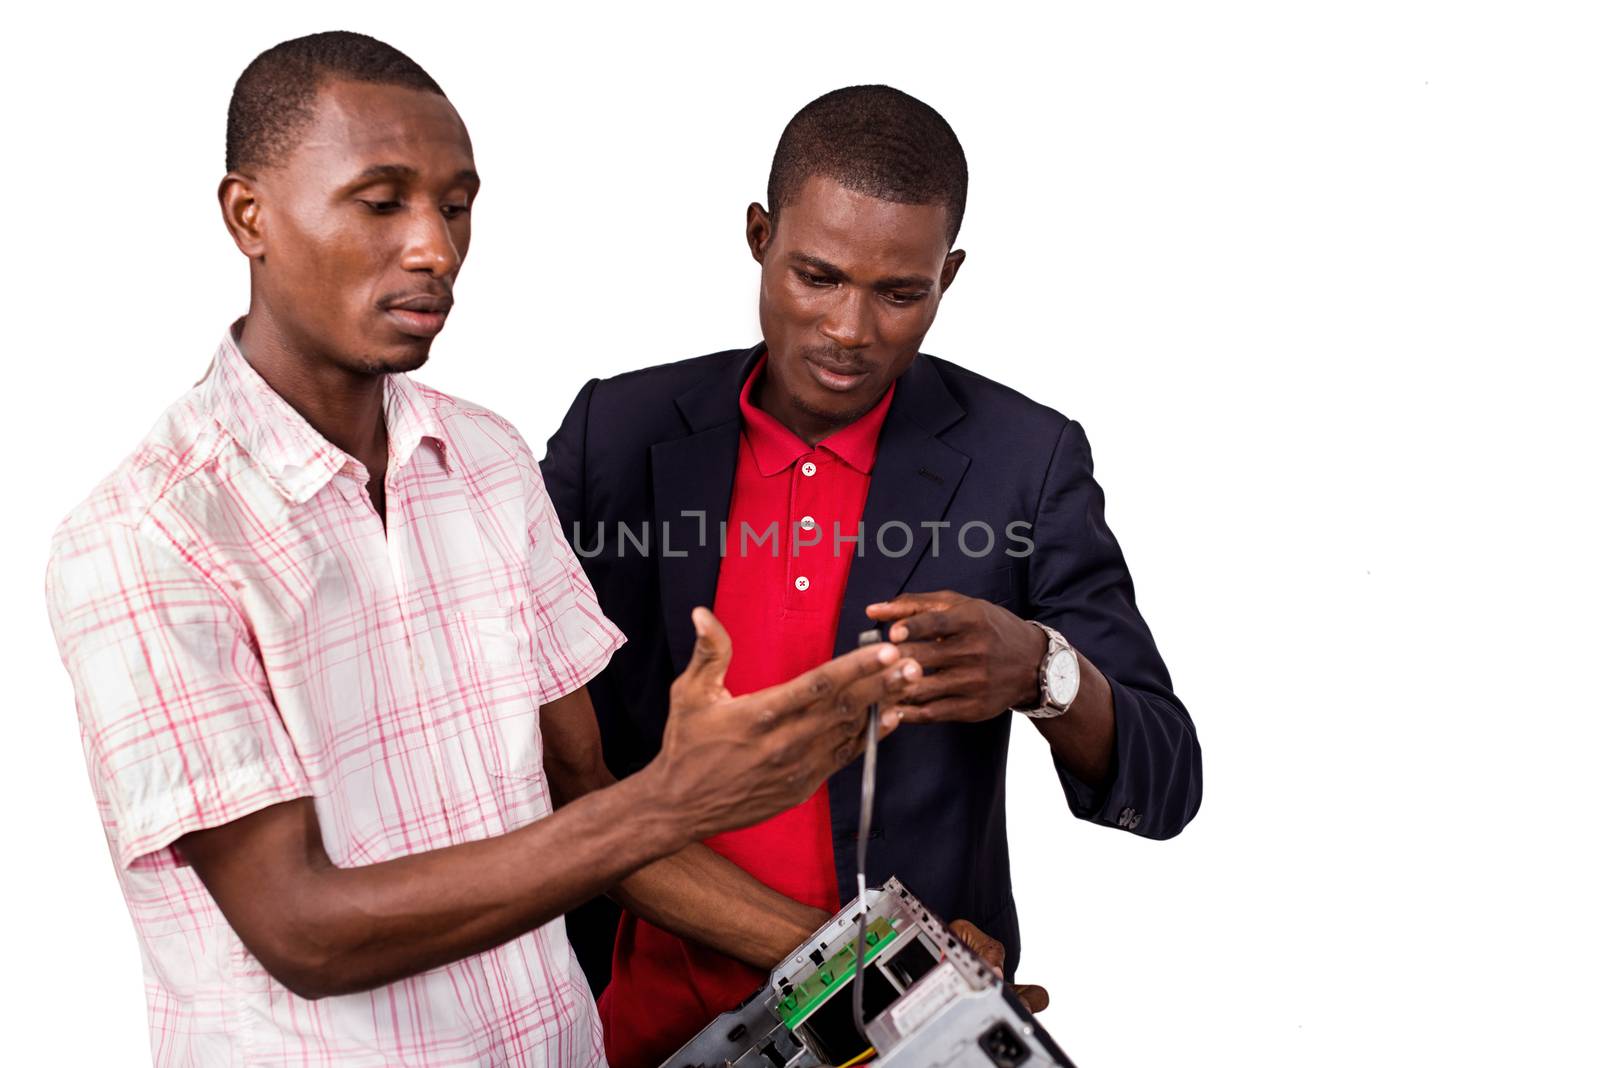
(1061,677)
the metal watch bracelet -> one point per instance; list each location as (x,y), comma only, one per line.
(1046,708)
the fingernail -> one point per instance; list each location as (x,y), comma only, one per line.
(888,654)
(911,670)
(898,633)
(890,719)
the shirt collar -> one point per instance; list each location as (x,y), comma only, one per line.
(775,446)
(298,460)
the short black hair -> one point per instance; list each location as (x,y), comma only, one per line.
(273,99)
(875,140)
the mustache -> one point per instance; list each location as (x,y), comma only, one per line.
(835,359)
(438,296)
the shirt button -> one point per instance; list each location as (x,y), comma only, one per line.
(802,584)
(808,469)
(807,523)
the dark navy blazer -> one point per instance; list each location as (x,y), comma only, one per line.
(644,448)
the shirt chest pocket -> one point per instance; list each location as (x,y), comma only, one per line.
(497,680)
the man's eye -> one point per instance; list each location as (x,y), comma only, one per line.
(382,207)
(902,298)
(453,211)
(818,280)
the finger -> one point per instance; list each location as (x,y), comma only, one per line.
(888,687)
(990,951)
(888,719)
(936,698)
(908,604)
(854,741)
(847,712)
(899,711)
(713,650)
(932,655)
(957,682)
(944,710)
(926,626)
(839,727)
(828,681)
(1037,998)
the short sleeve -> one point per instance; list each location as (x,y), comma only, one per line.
(178,723)
(573,640)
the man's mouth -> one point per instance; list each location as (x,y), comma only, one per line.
(835,378)
(419,316)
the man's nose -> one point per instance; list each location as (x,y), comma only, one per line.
(848,323)
(430,246)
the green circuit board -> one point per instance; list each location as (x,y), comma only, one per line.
(832,974)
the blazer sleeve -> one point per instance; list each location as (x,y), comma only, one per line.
(591,926)
(563,464)
(1079,584)
(567,470)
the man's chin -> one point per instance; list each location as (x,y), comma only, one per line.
(828,409)
(395,362)
(409,363)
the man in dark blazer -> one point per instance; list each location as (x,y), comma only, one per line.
(981,545)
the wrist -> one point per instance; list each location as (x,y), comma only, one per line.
(790,931)
(654,811)
(1028,694)
(1058,677)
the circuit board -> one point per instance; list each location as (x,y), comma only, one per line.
(928,1002)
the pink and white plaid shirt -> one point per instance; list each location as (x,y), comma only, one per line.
(240,631)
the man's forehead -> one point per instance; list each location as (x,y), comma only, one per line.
(356,120)
(836,223)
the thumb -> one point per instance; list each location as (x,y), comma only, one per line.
(713,649)
(990,950)
(1037,998)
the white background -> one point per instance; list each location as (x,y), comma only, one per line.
(1320,286)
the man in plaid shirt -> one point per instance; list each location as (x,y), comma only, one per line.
(329,649)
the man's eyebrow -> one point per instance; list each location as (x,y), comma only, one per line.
(818,264)
(904,281)
(396,171)
(400,172)
(822,266)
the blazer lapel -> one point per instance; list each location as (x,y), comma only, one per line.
(914,477)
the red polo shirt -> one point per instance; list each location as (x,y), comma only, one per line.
(779,588)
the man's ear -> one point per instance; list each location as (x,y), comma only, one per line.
(952,264)
(758,227)
(240,198)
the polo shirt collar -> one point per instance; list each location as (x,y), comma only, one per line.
(775,446)
(297,460)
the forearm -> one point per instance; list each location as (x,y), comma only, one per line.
(695,894)
(1153,784)
(321,929)
(700,895)
(328,930)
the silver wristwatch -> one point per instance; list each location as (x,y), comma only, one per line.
(1058,676)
